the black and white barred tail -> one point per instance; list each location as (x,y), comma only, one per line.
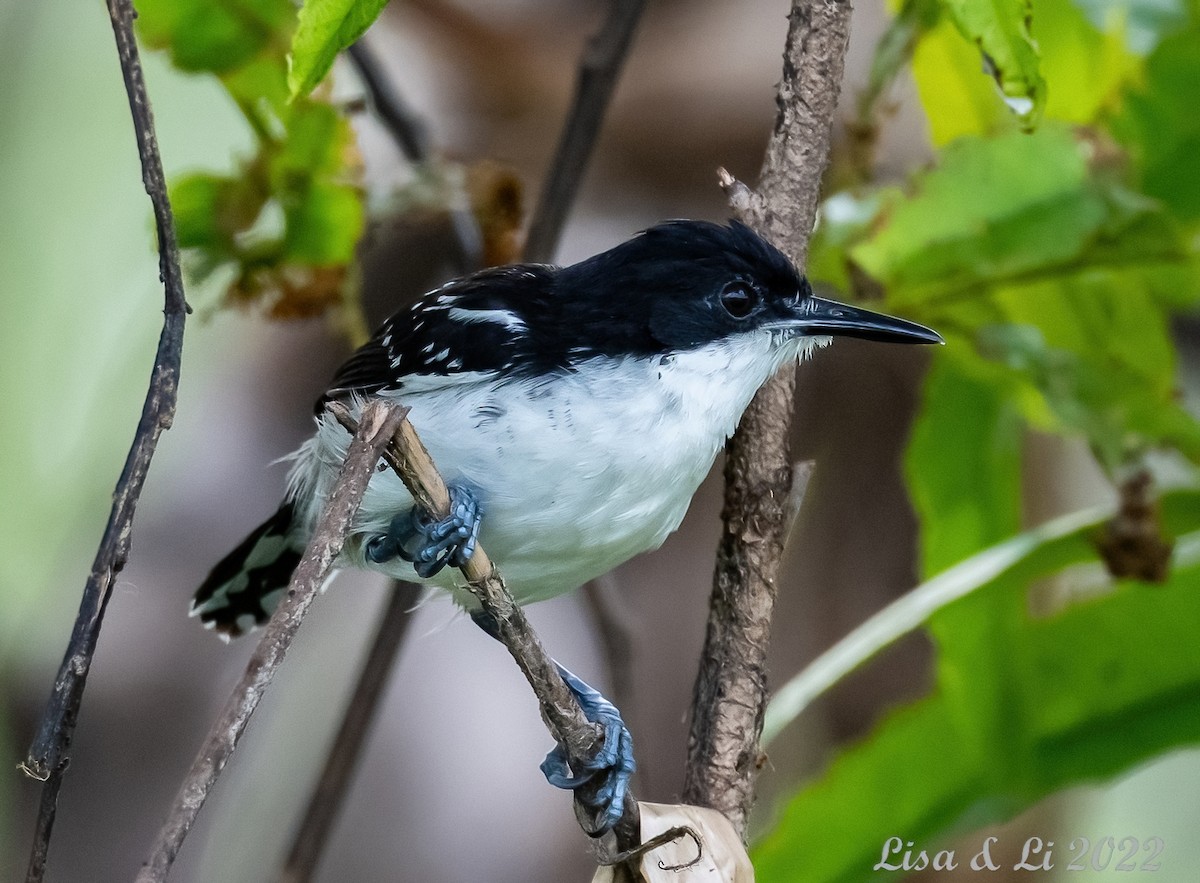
(243,590)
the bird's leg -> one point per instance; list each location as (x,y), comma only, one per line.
(431,543)
(613,764)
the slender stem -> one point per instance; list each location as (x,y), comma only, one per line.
(47,810)
(379,422)
(330,793)
(411,135)
(731,690)
(49,753)
(598,72)
(614,623)
(407,128)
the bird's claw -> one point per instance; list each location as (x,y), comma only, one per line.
(428,543)
(613,764)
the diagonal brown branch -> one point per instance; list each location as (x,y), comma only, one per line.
(731,692)
(559,708)
(49,753)
(598,72)
(411,135)
(310,838)
(379,422)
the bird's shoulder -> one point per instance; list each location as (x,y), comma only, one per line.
(451,335)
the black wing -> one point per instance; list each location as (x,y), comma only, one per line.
(477,324)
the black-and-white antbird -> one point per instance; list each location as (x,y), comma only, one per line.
(573,412)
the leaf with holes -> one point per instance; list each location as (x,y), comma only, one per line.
(1000,30)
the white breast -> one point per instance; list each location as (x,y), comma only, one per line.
(576,473)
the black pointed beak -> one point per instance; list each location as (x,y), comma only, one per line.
(818,316)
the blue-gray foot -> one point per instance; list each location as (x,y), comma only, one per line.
(608,772)
(601,782)
(431,543)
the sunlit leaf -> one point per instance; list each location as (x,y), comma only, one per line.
(1000,29)
(326,28)
(992,208)
(958,100)
(1084,67)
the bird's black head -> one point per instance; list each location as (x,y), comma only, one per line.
(676,287)
(684,284)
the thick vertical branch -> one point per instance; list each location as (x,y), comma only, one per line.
(730,694)
(49,753)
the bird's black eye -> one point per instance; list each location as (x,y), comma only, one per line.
(739,299)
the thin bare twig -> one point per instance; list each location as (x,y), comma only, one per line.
(408,130)
(379,422)
(49,753)
(730,694)
(330,792)
(598,72)
(560,709)
(613,620)
(599,69)
(411,135)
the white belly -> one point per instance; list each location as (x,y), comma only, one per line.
(574,476)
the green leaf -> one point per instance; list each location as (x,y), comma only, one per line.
(1085,67)
(216,37)
(326,28)
(1021,706)
(318,139)
(1050,267)
(210,210)
(1100,353)
(1000,31)
(324,225)
(1161,129)
(963,464)
(993,208)
(957,100)
(845,219)
(1009,210)
(323,214)
(287,222)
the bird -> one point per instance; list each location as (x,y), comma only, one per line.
(573,411)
